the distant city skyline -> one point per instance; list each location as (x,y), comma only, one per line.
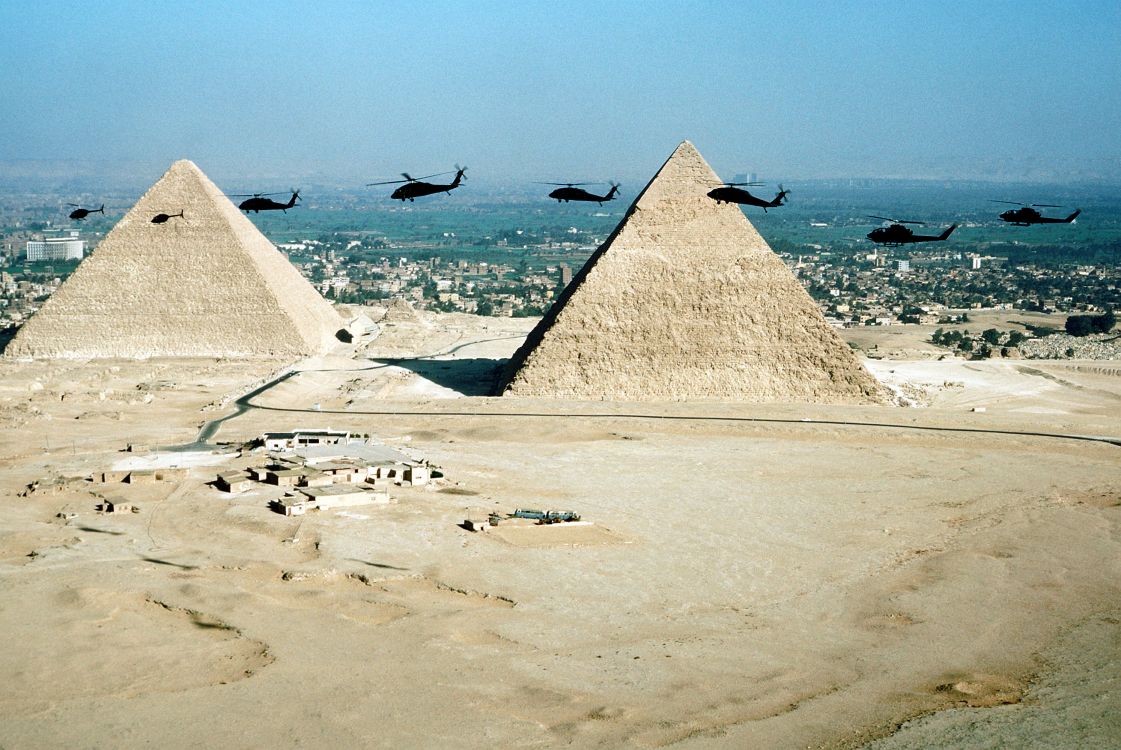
(579,91)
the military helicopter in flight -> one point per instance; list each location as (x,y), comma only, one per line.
(733,192)
(897,234)
(80,213)
(1026,215)
(257,202)
(415,187)
(162,218)
(569,191)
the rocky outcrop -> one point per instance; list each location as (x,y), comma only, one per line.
(204,284)
(685,300)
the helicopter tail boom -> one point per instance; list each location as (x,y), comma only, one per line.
(946,235)
(1070,219)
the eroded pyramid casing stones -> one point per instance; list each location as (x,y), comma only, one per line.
(207,284)
(685,301)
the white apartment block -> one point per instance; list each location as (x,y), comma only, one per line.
(57,248)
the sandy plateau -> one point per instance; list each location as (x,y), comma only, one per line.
(946,574)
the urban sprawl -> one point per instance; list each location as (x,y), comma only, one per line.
(853,285)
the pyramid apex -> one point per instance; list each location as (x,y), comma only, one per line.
(179,164)
(685,147)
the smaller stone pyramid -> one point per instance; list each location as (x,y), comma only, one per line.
(400,311)
(685,301)
(207,284)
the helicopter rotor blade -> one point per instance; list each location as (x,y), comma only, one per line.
(896,221)
(743,184)
(386,182)
(1036,205)
(75,205)
(568,184)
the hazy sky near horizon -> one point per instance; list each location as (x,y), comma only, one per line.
(568,91)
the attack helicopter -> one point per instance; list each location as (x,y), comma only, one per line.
(897,234)
(415,187)
(257,202)
(569,191)
(1026,215)
(161,218)
(80,213)
(733,192)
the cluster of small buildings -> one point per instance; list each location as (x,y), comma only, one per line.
(323,469)
(21,296)
(879,289)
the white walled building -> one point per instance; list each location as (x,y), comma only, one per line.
(57,248)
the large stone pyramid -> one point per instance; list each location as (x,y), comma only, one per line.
(686,301)
(206,284)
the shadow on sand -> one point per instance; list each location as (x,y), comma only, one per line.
(468,377)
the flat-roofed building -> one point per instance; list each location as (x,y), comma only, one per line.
(56,248)
(284,477)
(334,496)
(302,438)
(233,481)
(341,495)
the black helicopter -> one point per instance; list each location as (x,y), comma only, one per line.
(568,191)
(733,192)
(80,213)
(1026,215)
(161,218)
(897,234)
(414,187)
(257,202)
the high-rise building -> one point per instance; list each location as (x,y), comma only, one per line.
(57,248)
(566,274)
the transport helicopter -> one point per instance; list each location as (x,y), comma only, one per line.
(415,187)
(1026,215)
(733,192)
(257,202)
(569,191)
(897,234)
(80,213)
(162,218)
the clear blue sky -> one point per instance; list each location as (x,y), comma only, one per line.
(568,90)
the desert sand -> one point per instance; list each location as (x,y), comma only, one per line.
(942,574)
